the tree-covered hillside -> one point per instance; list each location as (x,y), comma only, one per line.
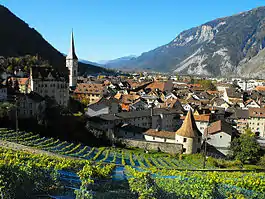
(18,39)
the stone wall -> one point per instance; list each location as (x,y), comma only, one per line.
(155,146)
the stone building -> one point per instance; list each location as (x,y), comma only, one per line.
(30,105)
(189,135)
(157,118)
(46,81)
(89,93)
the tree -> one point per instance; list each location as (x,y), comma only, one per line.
(177,76)
(10,68)
(5,107)
(207,84)
(245,148)
(16,85)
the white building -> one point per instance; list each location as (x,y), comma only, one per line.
(219,135)
(72,63)
(154,135)
(46,81)
(247,85)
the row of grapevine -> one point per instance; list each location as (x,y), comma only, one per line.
(24,175)
(199,185)
(123,157)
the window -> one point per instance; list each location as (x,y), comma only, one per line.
(199,140)
(165,139)
(154,138)
(198,150)
(221,136)
(133,134)
(185,140)
(30,112)
(184,150)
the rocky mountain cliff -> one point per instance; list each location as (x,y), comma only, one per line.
(18,39)
(220,47)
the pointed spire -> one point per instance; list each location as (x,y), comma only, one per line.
(189,128)
(71,54)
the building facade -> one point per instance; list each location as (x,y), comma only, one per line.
(30,105)
(46,81)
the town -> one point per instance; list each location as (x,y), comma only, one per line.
(173,114)
(184,120)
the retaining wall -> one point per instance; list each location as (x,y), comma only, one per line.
(171,148)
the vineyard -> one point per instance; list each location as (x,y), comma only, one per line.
(190,184)
(108,172)
(102,154)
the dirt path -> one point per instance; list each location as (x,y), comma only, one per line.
(20,147)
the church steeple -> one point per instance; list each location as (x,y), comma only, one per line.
(71,54)
(72,63)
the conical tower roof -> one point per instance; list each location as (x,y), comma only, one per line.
(71,54)
(189,128)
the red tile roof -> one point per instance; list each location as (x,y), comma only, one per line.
(198,118)
(257,112)
(260,88)
(160,134)
(87,88)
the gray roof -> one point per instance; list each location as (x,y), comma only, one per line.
(132,128)
(240,114)
(233,93)
(103,103)
(137,114)
(39,72)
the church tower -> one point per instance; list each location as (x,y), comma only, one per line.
(72,63)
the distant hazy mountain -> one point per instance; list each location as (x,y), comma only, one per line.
(87,62)
(225,46)
(118,63)
(18,39)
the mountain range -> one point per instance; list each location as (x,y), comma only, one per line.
(232,45)
(18,39)
(116,62)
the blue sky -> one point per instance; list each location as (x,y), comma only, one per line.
(108,29)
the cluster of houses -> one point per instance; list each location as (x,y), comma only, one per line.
(146,107)
(160,109)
